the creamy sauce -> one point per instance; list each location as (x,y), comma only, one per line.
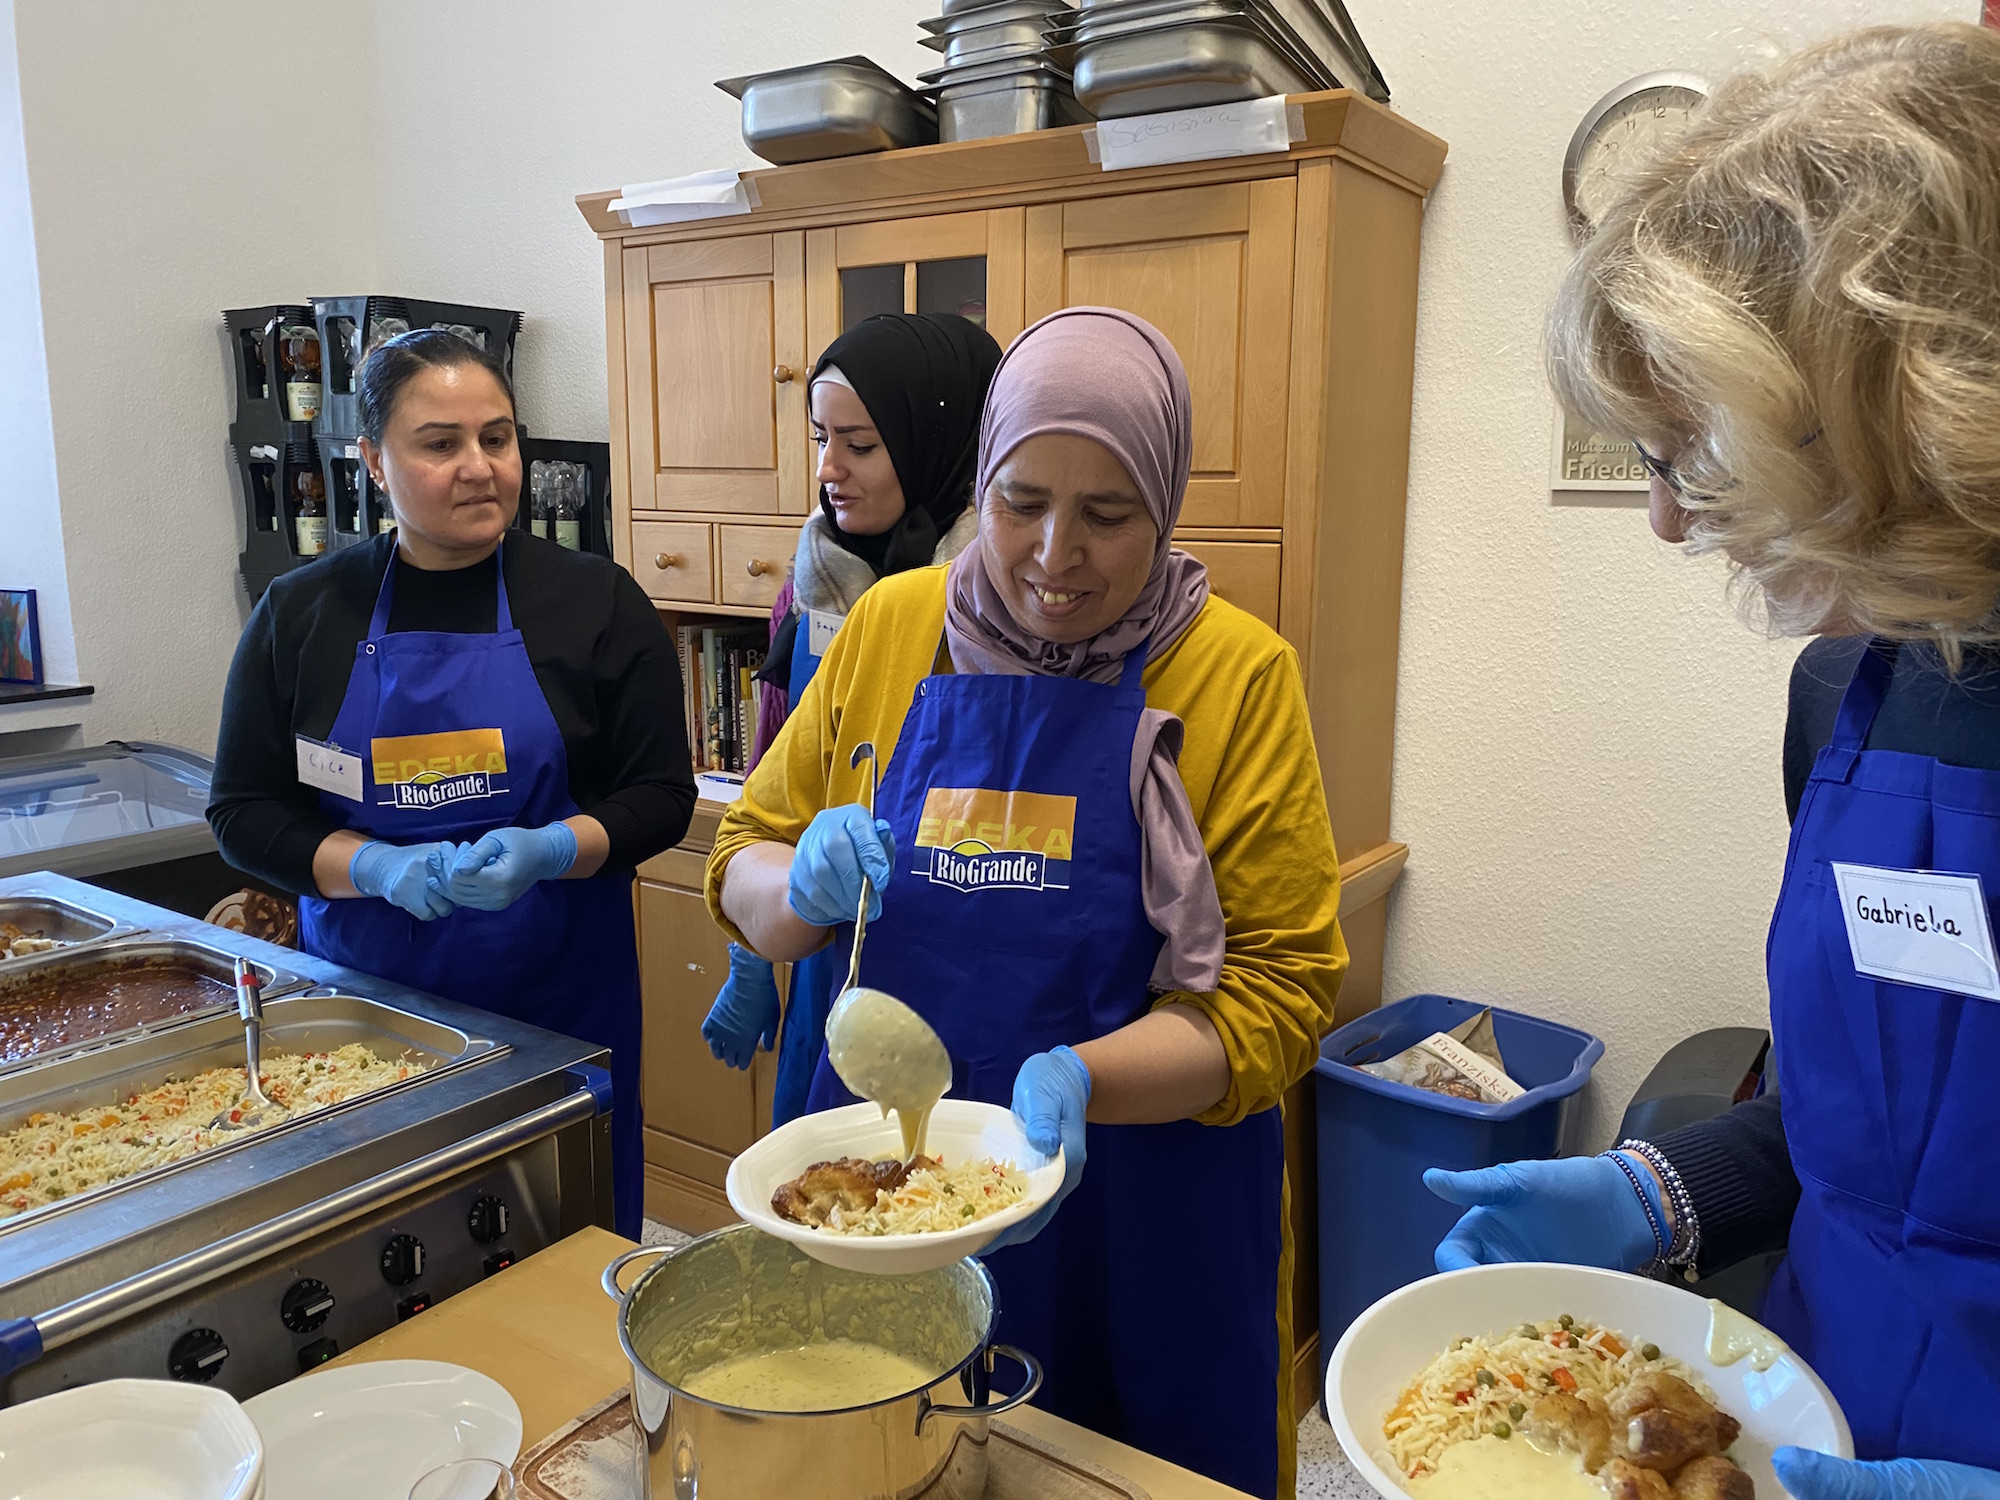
(1731,1337)
(886,1052)
(828,1375)
(1493,1468)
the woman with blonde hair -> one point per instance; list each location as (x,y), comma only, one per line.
(1796,314)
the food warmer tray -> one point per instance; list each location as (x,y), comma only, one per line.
(200,950)
(253,1261)
(65,921)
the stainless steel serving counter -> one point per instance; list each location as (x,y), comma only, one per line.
(251,1261)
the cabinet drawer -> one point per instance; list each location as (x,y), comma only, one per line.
(754,560)
(671,561)
(1244,573)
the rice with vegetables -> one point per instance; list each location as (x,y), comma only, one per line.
(53,1156)
(1488,1385)
(934,1197)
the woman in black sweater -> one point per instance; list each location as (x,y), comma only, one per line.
(456,751)
(1796,312)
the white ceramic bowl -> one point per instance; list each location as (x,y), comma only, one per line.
(131,1440)
(960,1130)
(1386,1346)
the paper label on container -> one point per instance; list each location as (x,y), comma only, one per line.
(1920,928)
(1490,1079)
(328,770)
(821,627)
(1249,127)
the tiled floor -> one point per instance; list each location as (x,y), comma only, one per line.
(1324,1472)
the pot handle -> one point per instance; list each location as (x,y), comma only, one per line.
(609,1281)
(926,1408)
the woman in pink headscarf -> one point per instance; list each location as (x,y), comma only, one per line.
(1106,879)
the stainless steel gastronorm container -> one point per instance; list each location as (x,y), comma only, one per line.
(983,110)
(250,1262)
(25,978)
(1181,67)
(1318,36)
(63,921)
(740,1291)
(845,107)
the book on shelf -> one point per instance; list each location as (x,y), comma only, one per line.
(718,667)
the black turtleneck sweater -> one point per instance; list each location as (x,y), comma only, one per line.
(602,658)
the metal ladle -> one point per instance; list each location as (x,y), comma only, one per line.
(863,751)
(258,1107)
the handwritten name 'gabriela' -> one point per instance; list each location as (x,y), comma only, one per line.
(1885,915)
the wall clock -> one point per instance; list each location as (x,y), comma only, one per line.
(1638,117)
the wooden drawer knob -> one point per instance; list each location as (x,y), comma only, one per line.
(758,567)
(782,374)
(666,560)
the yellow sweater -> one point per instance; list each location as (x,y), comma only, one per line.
(1252,779)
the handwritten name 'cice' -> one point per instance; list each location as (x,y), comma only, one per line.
(1885,915)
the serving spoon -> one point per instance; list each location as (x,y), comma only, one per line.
(258,1108)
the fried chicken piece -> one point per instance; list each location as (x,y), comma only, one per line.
(1626,1481)
(1667,1424)
(849,1184)
(1579,1423)
(1714,1477)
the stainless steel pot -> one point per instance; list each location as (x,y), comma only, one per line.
(740,1291)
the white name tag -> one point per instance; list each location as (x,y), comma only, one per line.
(1918,927)
(328,769)
(820,628)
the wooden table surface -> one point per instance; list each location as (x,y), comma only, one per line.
(545,1330)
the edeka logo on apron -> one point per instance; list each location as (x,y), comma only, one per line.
(419,772)
(979,840)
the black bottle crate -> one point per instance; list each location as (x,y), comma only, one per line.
(265,469)
(356,510)
(253,347)
(346,332)
(596,460)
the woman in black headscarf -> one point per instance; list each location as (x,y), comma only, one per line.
(895,404)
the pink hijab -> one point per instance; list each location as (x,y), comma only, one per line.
(1106,375)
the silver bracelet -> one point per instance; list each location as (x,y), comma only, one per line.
(1686,1246)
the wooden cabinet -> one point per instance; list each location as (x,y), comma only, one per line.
(1288,284)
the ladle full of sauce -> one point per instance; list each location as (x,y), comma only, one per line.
(883,1050)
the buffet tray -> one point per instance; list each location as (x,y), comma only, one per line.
(24,979)
(318,1021)
(592,1458)
(64,921)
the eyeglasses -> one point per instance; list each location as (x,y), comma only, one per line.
(1663,471)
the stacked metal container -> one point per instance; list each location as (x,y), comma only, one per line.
(998,78)
(1134,57)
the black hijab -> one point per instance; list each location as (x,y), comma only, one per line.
(923,378)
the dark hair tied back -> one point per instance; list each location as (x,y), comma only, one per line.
(391,365)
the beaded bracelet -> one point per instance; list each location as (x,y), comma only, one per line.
(1686,1246)
(1645,1203)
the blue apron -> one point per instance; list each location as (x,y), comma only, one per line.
(1014,923)
(813,977)
(1891,1285)
(457,740)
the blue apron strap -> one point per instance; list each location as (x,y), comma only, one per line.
(1863,698)
(1131,674)
(378,623)
(503,618)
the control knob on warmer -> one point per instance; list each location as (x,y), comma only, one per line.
(197,1355)
(306,1306)
(488,1219)
(402,1260)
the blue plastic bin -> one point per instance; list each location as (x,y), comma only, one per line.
(1378,1223)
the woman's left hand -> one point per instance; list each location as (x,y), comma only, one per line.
(1051,1093)
(492,874)
(1820,1476)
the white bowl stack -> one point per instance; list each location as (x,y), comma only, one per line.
(122,1439)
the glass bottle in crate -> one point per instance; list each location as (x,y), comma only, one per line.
(569,508)
(538,498)
(298,356)
(387,318)
(308,507)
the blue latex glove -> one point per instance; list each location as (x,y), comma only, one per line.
(1820,1476)
(839,846)
(1051,1093)
(745,1014)
(411,876)
(492,874)
(1580,1209)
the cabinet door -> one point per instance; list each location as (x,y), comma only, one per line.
(699,1114)
(1211,268)
(714,348)
(968,263)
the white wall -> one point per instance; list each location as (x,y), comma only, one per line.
(177,166)
(30,518)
